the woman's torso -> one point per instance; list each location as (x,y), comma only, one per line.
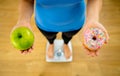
(59,15)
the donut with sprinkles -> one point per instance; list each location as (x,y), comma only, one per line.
(94,38)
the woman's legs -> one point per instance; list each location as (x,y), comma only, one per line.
(67,36)
(50,36)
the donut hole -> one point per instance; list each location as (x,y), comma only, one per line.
(94,38)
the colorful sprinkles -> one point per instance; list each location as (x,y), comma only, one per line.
(94,38)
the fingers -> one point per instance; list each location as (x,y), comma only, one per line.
(97,53)
(91,53)
(24,51)
(105,31)
(27,51)
(87,52)
(95,25)
(30,50)
(107,37)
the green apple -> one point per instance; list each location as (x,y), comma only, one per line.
(22,38)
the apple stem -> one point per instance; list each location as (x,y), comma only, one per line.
(19,36)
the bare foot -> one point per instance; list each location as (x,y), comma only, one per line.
(67,51)
(50,51)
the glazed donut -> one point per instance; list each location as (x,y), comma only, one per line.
(94,38)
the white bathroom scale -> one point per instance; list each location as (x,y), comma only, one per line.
(58,52)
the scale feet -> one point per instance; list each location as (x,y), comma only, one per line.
(58,52)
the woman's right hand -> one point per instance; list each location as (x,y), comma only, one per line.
(26,24)
(96,24)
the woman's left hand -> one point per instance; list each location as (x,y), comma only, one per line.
(96,24)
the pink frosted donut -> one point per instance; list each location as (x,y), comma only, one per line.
(94,38)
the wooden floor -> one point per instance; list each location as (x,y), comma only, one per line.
(12,63)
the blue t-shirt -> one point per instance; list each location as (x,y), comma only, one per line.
(60,15)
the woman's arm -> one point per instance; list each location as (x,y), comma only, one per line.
(92,20)
(93,9)
(26,8)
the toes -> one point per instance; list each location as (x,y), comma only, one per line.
(67,55)
(50,55)
(50,52)
(67,52)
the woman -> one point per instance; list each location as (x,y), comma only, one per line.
(66,16)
